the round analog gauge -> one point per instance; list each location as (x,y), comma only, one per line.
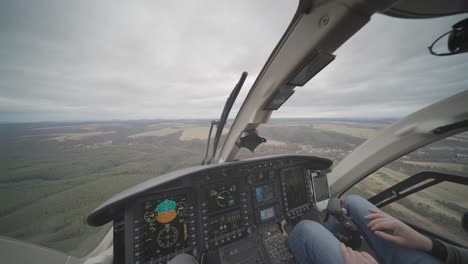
(223,199)
(150,216)
(168,236)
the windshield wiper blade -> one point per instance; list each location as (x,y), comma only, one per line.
(224,116)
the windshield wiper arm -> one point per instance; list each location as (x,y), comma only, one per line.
(224,115)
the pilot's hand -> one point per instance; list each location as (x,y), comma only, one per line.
(356,257)
(394,230)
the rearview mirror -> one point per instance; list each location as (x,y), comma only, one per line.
(457,41)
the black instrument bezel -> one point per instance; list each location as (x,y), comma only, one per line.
(137,223)
(294,213)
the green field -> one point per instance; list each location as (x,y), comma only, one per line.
(358,132)
(48,191)
(189,132)
(77,136)
(52,211)
(454,167)
(156,133)
(198,132)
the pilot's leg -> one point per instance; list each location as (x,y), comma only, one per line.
(385,251)
(311,242)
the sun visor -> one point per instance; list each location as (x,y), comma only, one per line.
(278,99)
(319,60)
(314,64)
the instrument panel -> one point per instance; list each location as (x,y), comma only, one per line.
(213,214)
(166,227)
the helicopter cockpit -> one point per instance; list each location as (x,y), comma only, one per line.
(229,210)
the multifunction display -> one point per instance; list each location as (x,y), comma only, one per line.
(264,193)
(224,224)
(267,214)
(223,197)
(294,181)
(320,185)
(165,226)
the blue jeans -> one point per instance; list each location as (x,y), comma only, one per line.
(311,242)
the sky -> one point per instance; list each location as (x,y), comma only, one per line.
(108,60)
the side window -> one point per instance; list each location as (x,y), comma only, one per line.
(438,208)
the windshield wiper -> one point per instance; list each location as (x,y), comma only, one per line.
(213,123)
(222,120)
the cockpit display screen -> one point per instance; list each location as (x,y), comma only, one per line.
(224,224)
(267,214)
(293,180)
(165,226)
(223,197)
(264,193)
(320,185)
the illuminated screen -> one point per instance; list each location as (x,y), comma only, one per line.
(223,197)
(224,224)
(264,193)
(321,191)
(267,214)
(165,226)
(295,186)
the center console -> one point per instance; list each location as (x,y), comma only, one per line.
(241,211)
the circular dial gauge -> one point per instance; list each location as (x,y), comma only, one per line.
(150,216)
(168,236)
(223,199)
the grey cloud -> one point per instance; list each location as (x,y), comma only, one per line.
(85,60)
(146,59)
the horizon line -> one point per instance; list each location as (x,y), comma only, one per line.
(197,119)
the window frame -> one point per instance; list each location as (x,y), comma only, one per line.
(418,228)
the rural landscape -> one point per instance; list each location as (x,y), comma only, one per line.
(53,174)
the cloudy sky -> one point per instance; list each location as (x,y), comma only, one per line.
(100,60)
